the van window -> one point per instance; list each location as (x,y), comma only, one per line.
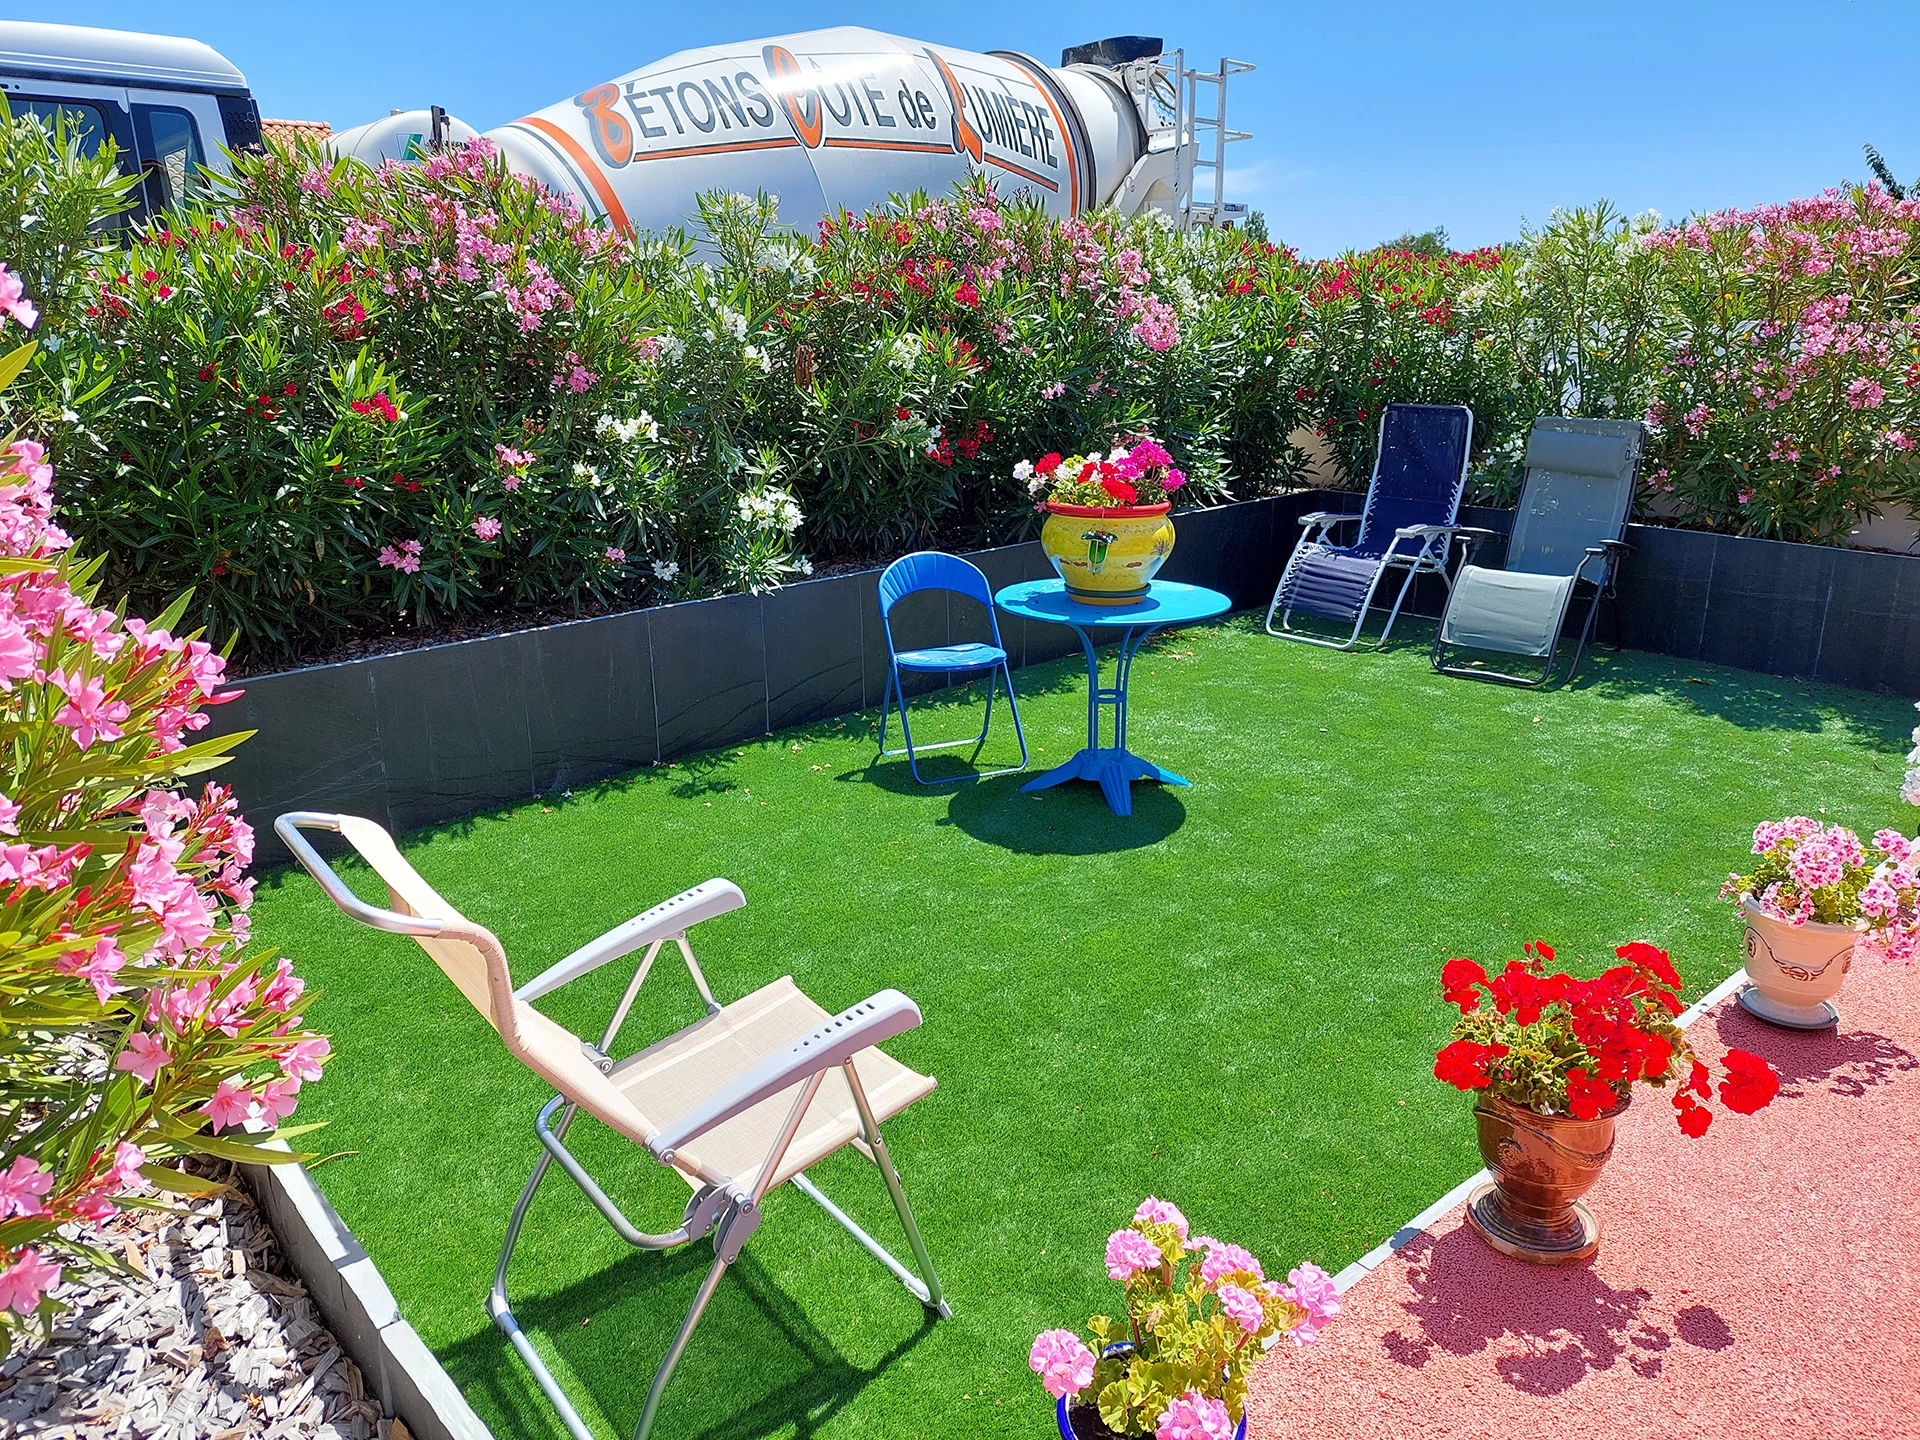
(87,121)
(170,154)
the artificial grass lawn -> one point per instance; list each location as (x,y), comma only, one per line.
(1228,999)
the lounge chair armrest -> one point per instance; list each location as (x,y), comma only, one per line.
(832,1043)
(1329,518)
(1421,532)
(668,920)
(1610,547)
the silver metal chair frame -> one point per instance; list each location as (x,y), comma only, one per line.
(1436,549)
(728,1212)
(1610,551)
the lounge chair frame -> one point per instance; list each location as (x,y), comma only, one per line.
(1428,551)
(1598,568)
(730,1212)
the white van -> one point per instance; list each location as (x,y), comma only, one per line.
(169,105)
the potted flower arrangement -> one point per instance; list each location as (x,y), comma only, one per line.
(1552,1064)
(1816,897)
(1107,530)
(1199,1314)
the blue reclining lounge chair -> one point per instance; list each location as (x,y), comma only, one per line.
(1407,524)
(1567,533)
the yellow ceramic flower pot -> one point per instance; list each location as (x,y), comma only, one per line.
(1107,556)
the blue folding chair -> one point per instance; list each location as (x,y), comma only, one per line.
(931,570)
(1419,473)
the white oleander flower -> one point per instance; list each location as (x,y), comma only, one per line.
(666,570)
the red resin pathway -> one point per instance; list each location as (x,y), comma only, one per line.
(1763,1281)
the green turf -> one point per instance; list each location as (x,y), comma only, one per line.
(1228,999)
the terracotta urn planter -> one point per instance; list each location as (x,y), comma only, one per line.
(1794,972)
(1107,556)
(1541,1166)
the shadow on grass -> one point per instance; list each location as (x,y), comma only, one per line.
(609,1332)
(1748,699)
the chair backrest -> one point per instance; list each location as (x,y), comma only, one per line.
(1579,491)
(472,957)
(932,570)
(1419,473)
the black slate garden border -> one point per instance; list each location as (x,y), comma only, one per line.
(428,735)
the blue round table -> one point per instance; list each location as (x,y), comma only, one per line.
(1113,767)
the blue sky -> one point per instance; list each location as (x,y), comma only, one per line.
(1368,119)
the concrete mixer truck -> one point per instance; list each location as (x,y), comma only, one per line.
(842,118)
(827,119)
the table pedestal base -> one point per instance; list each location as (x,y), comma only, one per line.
(1114,771)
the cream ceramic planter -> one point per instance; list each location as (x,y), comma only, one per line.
(1795,971)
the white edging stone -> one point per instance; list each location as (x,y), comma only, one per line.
(359,1308)
(1417,1226)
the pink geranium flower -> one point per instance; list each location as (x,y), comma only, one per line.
(1161,1212)
(1312,1289)
(144,1057)
(1224,1259)
(1128,1252)
(1063,1363)
(1193,1416)
(1242,1307)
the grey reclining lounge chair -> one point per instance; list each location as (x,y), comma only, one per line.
(737,1103)
(1573,510)
(1407,523)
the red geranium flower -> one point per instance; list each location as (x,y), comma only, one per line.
(1459,982)
(1587,1097)
(1463,1064)
(1694,1117)
(1046,465)
(1750,1084)
(1119,489)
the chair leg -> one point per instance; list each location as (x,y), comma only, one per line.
(679,1346)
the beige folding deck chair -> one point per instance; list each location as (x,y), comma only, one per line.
(739,1102)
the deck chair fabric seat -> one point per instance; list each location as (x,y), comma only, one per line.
(1575,501)
(1506,610)
(673,1075)
(737,1103)
(1407,523)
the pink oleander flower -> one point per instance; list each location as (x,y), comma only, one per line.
(1054,391)
(1865,394)
(1063,1363)
(278,1099)
(1157,328)
(486,527)
(144,1057)
(615,555)
(1161,1212)
(88,713)
(97,967)
(282,991)
(231,1104)
(301,1060)
(1128,1252)
(1242,1307)
(21,1186)
(13,300)
(9,817)
(23,1282)
(124,1174)
(1224,1259)
(1193,1416)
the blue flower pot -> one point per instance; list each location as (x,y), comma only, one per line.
(1066,1426)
